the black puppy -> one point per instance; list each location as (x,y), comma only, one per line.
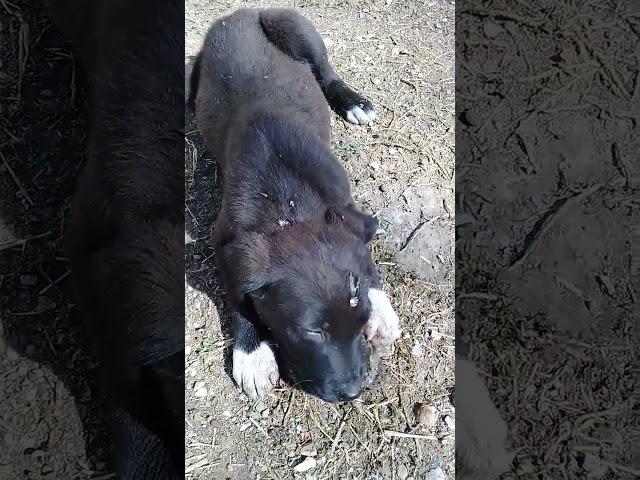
(292,248)
(125,237)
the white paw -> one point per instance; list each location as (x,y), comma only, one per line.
(383,327)
(256,373)
(361,115)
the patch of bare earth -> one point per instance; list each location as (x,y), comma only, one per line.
(559,348)
(401,55)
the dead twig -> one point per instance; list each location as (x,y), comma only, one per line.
(16,180)
(55,282)
(392,433)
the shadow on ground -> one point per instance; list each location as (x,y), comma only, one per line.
(203,192)
(41,151)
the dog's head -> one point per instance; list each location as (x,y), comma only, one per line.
(307,287)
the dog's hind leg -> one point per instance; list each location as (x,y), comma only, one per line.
(297,37)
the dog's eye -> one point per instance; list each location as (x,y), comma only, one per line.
(261,292)
(314,334)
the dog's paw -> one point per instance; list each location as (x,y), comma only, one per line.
(350,105)
(256,373)
(362,113)
(383,327)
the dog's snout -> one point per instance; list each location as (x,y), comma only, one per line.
(349,392)
(342,392)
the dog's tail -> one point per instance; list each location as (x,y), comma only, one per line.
(194,81)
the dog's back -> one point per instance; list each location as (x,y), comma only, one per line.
(242,73)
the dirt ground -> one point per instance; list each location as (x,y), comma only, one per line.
(401,55)
(547,157)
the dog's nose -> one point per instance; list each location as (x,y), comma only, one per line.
(349,392)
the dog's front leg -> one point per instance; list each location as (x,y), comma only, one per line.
(383,327)
(254,365)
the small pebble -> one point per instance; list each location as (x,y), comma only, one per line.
(451,423)
(435,335)
(526,468)
(201,392)
(492,29)
(435,474)
(255,415)
(11,355)
(417,351)
(425,414)
(606,284)
(385,470)
(308,451)
(45,304)
(28,280)
(403,472)
(307,464)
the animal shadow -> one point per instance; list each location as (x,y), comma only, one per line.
(203,198)
(38,168)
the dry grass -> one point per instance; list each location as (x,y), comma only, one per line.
(400,54)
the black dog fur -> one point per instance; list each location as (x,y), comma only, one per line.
(126,234)
(288,236)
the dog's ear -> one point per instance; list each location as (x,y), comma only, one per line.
(363,225)
(248,263)
(370,226)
